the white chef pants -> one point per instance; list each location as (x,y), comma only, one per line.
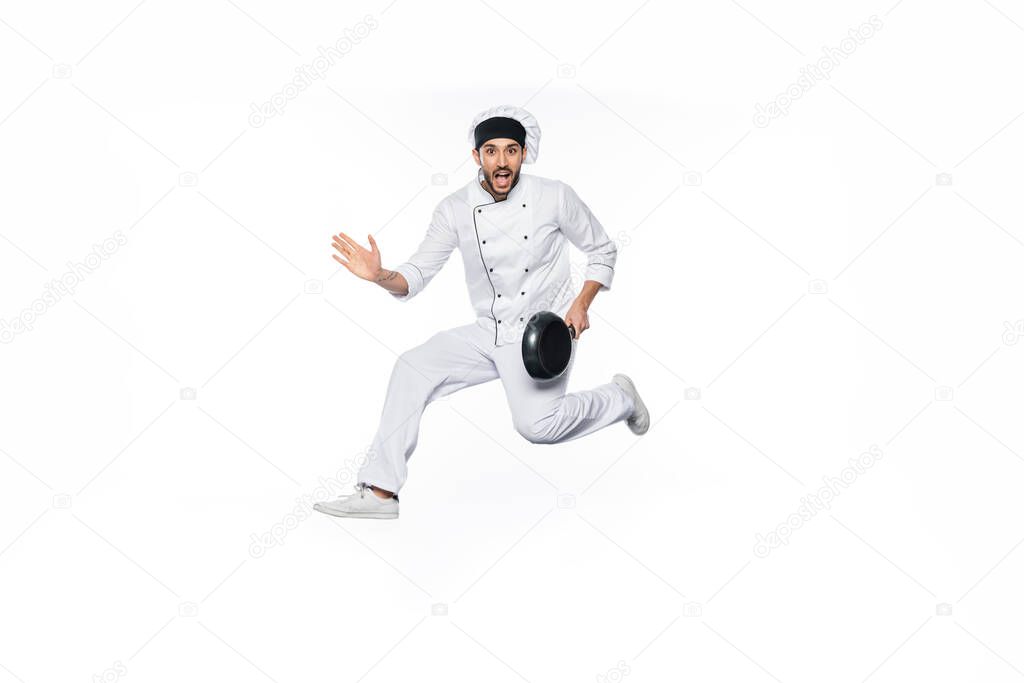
(461,357)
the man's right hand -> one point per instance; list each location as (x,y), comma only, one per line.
(364,263)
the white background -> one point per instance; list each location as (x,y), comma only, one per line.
(787,296)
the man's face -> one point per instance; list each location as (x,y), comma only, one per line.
(501,159)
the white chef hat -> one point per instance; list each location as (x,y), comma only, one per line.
(531,129)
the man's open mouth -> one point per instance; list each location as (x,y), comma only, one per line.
(503,176)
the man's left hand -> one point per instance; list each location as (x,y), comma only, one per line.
(577,317)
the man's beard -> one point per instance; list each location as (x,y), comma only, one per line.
(512,183)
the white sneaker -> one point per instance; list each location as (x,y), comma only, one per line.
(364,503)
(640,421)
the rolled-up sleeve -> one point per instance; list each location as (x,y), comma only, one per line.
(583,229)
(428,259)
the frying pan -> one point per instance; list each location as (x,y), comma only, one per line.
(547,345)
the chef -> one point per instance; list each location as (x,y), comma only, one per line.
(513,231)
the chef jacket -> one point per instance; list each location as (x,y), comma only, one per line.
(514,251)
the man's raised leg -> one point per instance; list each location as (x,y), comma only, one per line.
(543,412)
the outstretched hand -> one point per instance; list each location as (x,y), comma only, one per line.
(359,261)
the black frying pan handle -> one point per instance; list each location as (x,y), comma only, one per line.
(572,331)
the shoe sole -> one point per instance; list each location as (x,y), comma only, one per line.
(357,515)
(641,407)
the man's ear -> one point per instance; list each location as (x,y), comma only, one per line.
(476,157)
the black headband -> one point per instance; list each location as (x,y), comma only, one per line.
(499,127)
